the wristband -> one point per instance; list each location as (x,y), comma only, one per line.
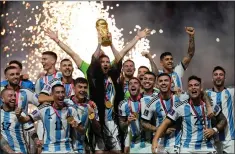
(216,130)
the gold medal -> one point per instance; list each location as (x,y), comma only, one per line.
(91,116)
(70,119)
(136,115)
(108,104)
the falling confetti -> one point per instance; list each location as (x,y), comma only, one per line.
(75,23)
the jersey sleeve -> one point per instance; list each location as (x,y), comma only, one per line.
(40,129)
(148,111)
(174,114)
(47,88)
(32,97)
(84,68)
(35,115)
(179,69)
(122,109)
(29,125)
(38,86)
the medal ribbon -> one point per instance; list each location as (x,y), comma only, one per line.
(17,97)
(195,112)
(129,105)
(163,105)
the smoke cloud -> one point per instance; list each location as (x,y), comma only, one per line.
(211,20)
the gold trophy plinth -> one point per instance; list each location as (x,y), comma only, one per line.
(102,28)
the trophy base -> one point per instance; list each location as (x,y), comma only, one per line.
(106,43)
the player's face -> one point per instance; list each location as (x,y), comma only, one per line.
(105,64)
(129,68)
(134,87)
(13,76)
(17,66)
(47,62)
(194,89)
(167,62)
(81,90)
(9,98)
(66,67)
(59,95)
(218,78)
(141,72)
(148,82)
(164,83)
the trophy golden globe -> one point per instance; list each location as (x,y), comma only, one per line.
(102,28)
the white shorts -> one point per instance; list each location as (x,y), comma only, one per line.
(114,130)
(225,146)
(202,151)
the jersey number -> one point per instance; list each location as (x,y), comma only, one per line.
(58,125)
(199,121)
(6,125)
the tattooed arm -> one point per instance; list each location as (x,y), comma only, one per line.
(221,121)
(191,48)
(208,102)
(123,123)
(146,125)
(5,146)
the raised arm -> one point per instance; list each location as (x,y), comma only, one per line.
(152,63)
(160,131)
(54,36)
(140,34)
(191,48)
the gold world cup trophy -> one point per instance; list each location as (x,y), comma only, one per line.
(102,28)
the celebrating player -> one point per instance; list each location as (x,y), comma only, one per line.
(224,97)
(176,73)
(197,128)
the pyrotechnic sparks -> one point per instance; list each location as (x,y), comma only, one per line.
(75,23)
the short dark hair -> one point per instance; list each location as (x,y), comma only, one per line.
(144,67)
(54,55)
(129,60)
(219,68)
(4,90)
(194,77)
(80,80)
(164,74)
(164,54)
(102,56)
(135,78)
(151,73)
(17,63)
(9,68)
(66,59)
(55,86)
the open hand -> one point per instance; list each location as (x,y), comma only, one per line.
(143,33)
(51,34)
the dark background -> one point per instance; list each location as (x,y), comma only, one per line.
(211,20)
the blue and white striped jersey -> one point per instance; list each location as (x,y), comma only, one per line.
(225,99)
(145,100)
(110,95)
(47,88)
(193,125)
(159,109)
(56,129)
(177,76)
(82,110)
(128,107)
(13,131)
(45,80)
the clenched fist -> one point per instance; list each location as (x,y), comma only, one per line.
(190,30)
(18,112)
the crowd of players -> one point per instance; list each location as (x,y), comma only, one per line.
(110,110)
